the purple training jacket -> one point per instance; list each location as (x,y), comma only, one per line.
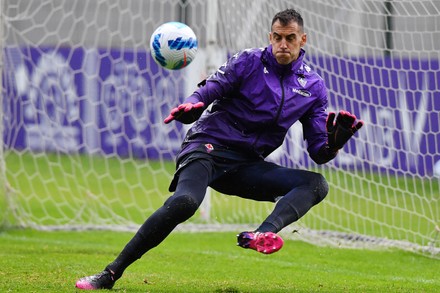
(254,101)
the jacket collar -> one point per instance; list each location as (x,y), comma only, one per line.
(294,67)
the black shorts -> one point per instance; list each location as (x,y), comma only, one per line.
(222,158)
(247,177)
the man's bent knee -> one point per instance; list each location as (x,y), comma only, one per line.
(320,187)
(181,207)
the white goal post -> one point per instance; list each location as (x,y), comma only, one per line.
(84,145)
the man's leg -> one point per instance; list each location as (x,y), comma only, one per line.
(297,191)
(312,189)
(189,194)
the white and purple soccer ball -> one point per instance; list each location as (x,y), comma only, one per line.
(173,45)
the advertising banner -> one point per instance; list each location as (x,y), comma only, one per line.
(113,103)
(399,99)
(92,101)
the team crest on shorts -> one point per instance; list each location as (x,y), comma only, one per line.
(209,147)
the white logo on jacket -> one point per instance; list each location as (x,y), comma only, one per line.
(302,92)
(302,81)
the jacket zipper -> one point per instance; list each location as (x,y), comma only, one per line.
(282,99)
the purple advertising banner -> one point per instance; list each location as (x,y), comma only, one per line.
(41,109)
(399,99)
(113,103)
(90,101)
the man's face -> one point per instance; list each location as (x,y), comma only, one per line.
(286,41)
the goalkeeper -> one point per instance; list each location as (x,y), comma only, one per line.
(254,98)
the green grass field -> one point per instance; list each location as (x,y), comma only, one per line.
(33,261)
(50,189)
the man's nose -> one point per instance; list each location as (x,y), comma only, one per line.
(283,43)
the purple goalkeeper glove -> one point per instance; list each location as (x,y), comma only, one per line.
(186,113)
(342,130)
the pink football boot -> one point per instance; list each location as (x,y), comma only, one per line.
(264,242)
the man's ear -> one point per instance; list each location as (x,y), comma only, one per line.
(303,39)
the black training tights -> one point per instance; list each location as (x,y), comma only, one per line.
(297,191)
(191,189)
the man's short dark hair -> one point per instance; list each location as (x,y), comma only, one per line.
(288,15)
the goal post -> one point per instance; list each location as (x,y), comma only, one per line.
(84,145)
(3,198)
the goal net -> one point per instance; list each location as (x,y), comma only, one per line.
(84,145)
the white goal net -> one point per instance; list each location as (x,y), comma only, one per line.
(84,145)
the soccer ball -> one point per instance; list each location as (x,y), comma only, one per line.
(173,45)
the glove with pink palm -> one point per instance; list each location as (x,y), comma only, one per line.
(186,113)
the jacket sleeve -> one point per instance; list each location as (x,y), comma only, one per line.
(226,79)
(314,129)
